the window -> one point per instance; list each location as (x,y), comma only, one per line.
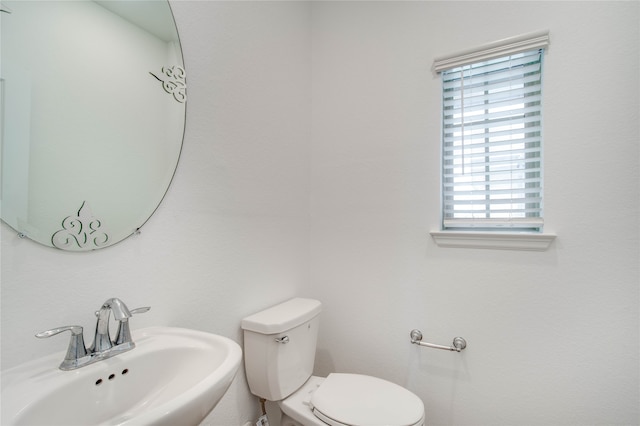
(492,137)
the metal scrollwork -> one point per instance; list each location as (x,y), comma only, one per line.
(80,231)
(174,83)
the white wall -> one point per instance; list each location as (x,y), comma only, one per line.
(553,336)
(231,236)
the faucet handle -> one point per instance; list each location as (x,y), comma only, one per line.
(75,330)
(132,311)
(124,332)
(76,349)
(140,310)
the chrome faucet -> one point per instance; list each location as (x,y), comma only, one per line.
(102,347)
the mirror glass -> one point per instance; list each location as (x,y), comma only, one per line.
(93,101)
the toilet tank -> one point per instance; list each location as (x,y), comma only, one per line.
(280,347)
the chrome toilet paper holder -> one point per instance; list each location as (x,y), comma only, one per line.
(458,343)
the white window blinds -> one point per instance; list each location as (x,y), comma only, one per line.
(492,147)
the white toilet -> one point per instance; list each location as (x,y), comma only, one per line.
(279,353)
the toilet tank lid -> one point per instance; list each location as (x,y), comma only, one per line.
(282,317)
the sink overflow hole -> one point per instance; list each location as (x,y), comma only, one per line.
(112,376)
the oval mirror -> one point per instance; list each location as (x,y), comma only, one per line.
(93,101)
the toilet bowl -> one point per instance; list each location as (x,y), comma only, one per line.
(280,344)
(351,399)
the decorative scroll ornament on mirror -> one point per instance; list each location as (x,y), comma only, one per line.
(175,83)
(80,231)
(78,126)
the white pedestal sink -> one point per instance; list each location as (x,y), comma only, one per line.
(173,377)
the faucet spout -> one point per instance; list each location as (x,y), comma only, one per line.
(102,340)
(119,309)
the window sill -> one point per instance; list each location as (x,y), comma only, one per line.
(493,240)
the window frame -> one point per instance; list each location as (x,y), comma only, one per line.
(477,235)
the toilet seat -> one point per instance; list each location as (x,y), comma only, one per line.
(355,399)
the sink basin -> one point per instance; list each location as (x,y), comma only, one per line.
(174,376)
